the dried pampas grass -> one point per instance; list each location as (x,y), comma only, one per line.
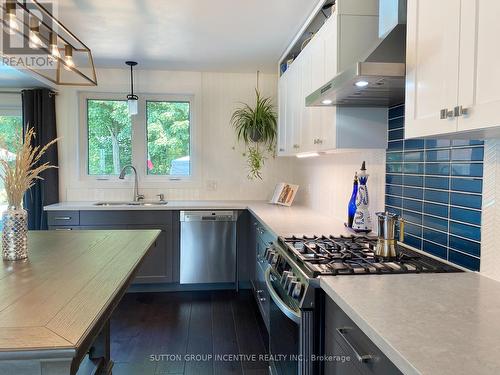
(20,175)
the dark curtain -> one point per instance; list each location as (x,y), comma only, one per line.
(39,112)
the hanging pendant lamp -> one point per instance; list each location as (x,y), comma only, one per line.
(132,98)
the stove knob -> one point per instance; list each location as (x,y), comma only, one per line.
(269,255)
(266,252)
(274,259)
(284,276)
(297,290)
(289,279)
(292,286)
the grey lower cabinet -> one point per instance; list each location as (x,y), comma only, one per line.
(348,351)
(158,266)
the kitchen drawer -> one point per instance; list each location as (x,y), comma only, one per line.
(342,335)
(140,217)
(65,218)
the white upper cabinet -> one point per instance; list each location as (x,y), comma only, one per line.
(479,93)
(452,68)
(307,129)
(432,57)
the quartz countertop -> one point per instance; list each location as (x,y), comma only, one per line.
(446,324)
(280,220)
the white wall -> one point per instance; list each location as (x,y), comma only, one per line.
(216,96)
(326,181)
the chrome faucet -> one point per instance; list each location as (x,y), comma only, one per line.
(137,196)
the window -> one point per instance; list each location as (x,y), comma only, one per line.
(109,136)
(158,141)
(10,138)
(168,138)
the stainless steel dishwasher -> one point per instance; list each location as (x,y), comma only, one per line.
(208,247)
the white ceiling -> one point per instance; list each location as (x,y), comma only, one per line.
(199,35)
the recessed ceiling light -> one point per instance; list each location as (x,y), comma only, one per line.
(361,83)
(327,102)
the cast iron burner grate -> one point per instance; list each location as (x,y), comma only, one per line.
(353,255)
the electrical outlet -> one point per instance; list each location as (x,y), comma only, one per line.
(211,185)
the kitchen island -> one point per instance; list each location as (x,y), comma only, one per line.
(55,306)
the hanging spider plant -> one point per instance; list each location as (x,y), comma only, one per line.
(256,127)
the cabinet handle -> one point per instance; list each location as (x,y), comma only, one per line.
(460,111)
(445,114)
(62,218)
(64,228)
(360,357)
(296,146)
(282,150)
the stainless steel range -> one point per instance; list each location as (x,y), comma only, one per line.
(294,266)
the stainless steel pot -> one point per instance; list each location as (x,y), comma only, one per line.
(386,244)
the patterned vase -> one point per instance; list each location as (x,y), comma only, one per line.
(15,234)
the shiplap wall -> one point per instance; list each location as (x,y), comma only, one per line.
(216,96)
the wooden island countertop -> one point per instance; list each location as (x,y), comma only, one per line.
(56,305)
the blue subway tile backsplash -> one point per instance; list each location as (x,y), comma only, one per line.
(436,185)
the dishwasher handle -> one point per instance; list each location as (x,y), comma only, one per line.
(187,216)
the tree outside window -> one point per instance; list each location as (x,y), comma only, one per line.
(168,138)
(109,136)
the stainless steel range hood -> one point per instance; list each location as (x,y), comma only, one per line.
(378,79)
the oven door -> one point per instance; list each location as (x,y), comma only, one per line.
(284,328)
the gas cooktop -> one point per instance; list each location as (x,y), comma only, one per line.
(349,255)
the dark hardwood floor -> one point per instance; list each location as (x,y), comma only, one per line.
(187,333)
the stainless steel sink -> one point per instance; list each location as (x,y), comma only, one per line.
(140,203)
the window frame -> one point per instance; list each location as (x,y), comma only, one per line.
(139,143)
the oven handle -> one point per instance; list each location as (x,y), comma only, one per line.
(291,314)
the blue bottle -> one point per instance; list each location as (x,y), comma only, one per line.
(351,207)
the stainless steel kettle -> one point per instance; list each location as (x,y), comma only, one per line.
(386,243)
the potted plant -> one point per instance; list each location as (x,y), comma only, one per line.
(18,176)
(256,127)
